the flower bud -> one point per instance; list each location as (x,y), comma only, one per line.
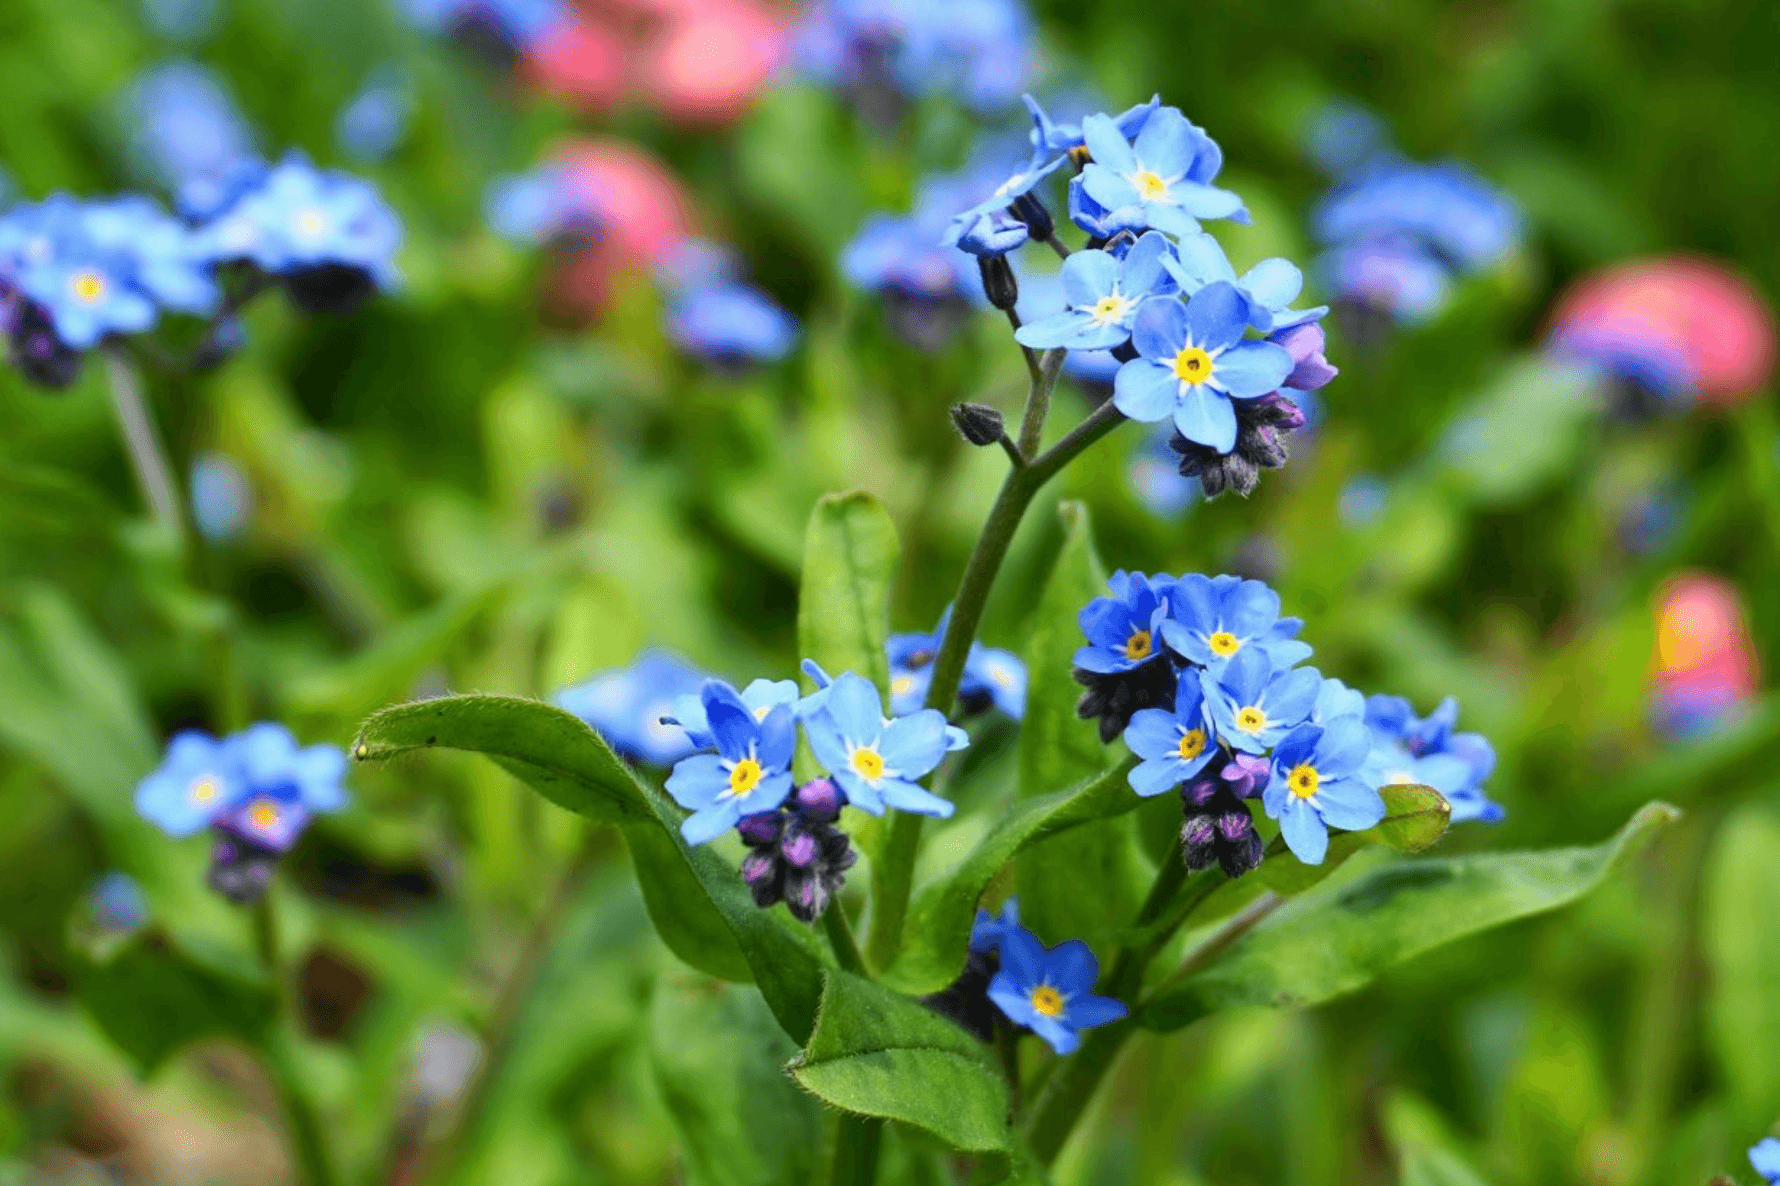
(820,801)
(1036,215)
(978,423)
(998,281)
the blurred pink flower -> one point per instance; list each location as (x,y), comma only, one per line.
(1705,666)
(582,60)
(711,59)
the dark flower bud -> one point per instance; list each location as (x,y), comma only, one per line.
(330,288)
(1036,215)
(240,870)
(799,849)
(819,801)
(1217,828)
(1261,428)
(978,423)
(38,353)
(764,828)
(966,1000)
(998,281)
(1113,698)
(796,859)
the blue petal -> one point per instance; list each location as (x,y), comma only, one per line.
(1250,608)
(778,738)
(1207,201)
(1245,676)
(1147,391)
(1023,958)
(906,796)
(1216,318)
(1107,145)
(1159,774)
(1072,967)
(1186,642)
(1202,261)
(1291,696)
(1152,733)
(1345,745)
(1012,999)
(697,780)
(1275,283)
(1054,1031)
(1143,271)
(1090,1010)
(1304,833)
(855,708)
(1100,661)
(1205,416)
(826,743)
(915,744)
(1296,746)
(708,823)
(860,793)
(1250,369)
(1160,330)
(1350,805)
(1166,146)
(732,723)
(1059,329)
(1089,275)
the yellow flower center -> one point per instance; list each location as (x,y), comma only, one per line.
(1251,719)
(744,777)
(760,713)
(89,286)
(1139,645)
(1224,644)
(311,224)
(204,790)
(902,685)
(1192,744)
(1109,309)
(868,764)
(1001,677)
(1193,365)
(263,815)
(1047,1001)
(1303,780)
(1150,185)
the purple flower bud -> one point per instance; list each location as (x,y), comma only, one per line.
(757,867)
(820,801)
(1235,825)
(1200,792)
(761,829)
(799,849)
(1310,369)
(1196,832)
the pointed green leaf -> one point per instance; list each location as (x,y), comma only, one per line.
(939,924)
(1058,748)
(1742,942)
(698,902)
(1331,944)
(150,999)
(875,1053)
(843,606)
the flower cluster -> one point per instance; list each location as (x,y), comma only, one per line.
(256,790)
(1217,354)
(73,274)
(1048,990)
(1201,675)
(992,678)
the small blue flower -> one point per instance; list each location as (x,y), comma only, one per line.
(627,707)
(1446,208)
(1316,786)
(1049,138)
(1267,289)
(996,676)
(1000,675)
(285,786)
(759,697)
(1765,1157)
(1162,179)
(1050,991)
(118,902)
(1426,750)
(221,498)
(1103,294)
(300,219)
(539,206)
(188,132)
(988,931)
(875,760)
(1174,745)
(199,778)
(750,772)
(1123,629)
(1001,197)
(375,121)
(164,261)
(1390,274)
(1212,619)
(1193,361)
(1255,703)
(990,235)
(731,323)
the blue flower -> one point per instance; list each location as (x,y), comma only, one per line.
(1000,198)
(1193,361)
(1445,208)
(539,206)
(627,707)
(730,323)
(1174,745)
(164,260)
(1103,294)
(980,50)
(997,674)
(374,122)
(1426,750)
(1050,991)
(118,903)
(1391,274)
(1316,786)
(1267,289)
(1255,703)
(199,778)
(1050,138)
(759,697)
(990,235)
(750,772)
(876,761)
(1335,699)
(1123,630)
(1213,618)
(1765,1157)
(285,785)
(189,133)
(988,931)
(1162,179)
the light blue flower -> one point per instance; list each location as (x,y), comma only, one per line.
(1000,675)
(301,219)
(1316,786)
(1254,704)
(285,786)
(750,772)
(1123,630)
(1765,1157)
(1211,619)
(1000,198)
(1050,991)
(1426,750)
(1192,361)
(629,707)
(1267,289)
(1103,294)
(199,778)
(1054,139)
(1162,179)
(730,323)
(1174,745)
(876,760)
(759,697)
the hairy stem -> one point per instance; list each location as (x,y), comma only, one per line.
(856,1143)
(840,937)
(308,1140)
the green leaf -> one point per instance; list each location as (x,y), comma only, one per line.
(1334,944)
(150,999)
(876,1053)
(939,923)
(720,1062)
(1058,748)
(1428,1154)
(1742,943)
(843,606)
(697,901)
(1416,817)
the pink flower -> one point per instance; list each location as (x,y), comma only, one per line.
(710,60)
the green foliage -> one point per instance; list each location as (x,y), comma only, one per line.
(1742,944)
(844,604)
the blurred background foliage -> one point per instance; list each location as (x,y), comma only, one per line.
(467,487)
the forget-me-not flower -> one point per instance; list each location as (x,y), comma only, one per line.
(1267,289)
(627,707)
(1316,785)
(1162,179)
(1427,750)
(1124,630)
(730,323)
(284,786)
(1058,139)
(1765,1158)
(750,772)
(988,931)
(1255,703)
(1193,361)
(877,760)
(1212,619)
(1174,745)
(1103,294)
(199,778)
(1050,991)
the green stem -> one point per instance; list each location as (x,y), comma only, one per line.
(147,457)
(1038,402)
(856,1143)
(903,840)
(840,937)
(308,1139)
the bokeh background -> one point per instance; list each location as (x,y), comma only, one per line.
(516,472)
